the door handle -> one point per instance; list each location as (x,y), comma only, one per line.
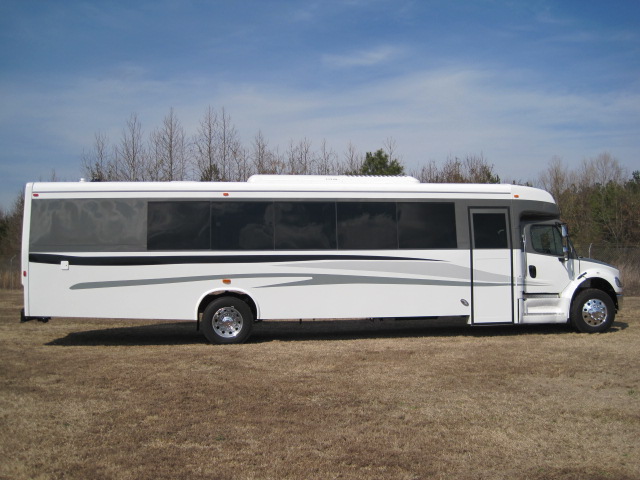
(533,271)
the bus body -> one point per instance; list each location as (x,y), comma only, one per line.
(306,247)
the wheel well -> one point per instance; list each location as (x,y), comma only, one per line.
(599,284)
(228,293)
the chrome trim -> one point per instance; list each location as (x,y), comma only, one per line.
(541,295)
(594,312)
(227,322)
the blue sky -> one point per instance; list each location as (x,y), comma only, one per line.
(518,81)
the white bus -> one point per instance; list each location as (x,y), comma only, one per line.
(226,255)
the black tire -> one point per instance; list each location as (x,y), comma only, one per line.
(227,320)
(592,311)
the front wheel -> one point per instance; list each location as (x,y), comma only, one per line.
(227,320)
(592,311)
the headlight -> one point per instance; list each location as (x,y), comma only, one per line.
(618,282)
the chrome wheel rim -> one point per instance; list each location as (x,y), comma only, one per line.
(594,312)
(227,322)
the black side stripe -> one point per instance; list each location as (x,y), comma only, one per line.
(54,259)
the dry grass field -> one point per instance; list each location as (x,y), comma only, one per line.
(86,398)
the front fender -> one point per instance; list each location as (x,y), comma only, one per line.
(595,280)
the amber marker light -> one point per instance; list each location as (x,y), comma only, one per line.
(226,281)
(225,194)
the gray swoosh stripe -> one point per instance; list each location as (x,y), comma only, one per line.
(305,280)
(361,279)
(424,269)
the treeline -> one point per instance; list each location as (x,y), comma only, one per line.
(11,228)
(600,200)
(215,153)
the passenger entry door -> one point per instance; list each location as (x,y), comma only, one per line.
(491,266)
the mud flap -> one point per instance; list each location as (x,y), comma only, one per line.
(24,318)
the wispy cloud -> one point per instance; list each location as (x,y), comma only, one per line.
(434,113)
(363,58)
(518,82)
(431,114)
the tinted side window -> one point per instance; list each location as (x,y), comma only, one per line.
(305,225)
(546,239)
(490,230)
(88,225)
(242,225)
(367,226)
(178,226)
(426,225)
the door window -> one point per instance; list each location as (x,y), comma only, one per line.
(490,230)
(546,239)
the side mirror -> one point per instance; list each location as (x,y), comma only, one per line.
(566,251)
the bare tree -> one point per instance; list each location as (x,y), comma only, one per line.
(352,161)
(571,192)
(205,148)
(299,157)
(170,153)
(473,169)
(390,147)
(451,171)
(277,165)
(429,173)
(242,164)
(326,160)
(264,159)
(602,170)
(260,153)
(97,164)
(130,154)
(291,159)
(228,143)
(555,179)
(478,170)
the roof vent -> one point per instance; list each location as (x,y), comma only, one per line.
(331,179)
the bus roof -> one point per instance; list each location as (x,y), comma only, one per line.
(295,183)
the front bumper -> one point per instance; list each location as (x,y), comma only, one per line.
(619,298)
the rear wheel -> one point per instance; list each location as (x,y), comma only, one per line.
(227,320)
(592,311)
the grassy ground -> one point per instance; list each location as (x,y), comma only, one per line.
(83,398)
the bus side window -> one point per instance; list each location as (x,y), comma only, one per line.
(178,225)
(427,225)
(367,226)
(242,225)
(305,225)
